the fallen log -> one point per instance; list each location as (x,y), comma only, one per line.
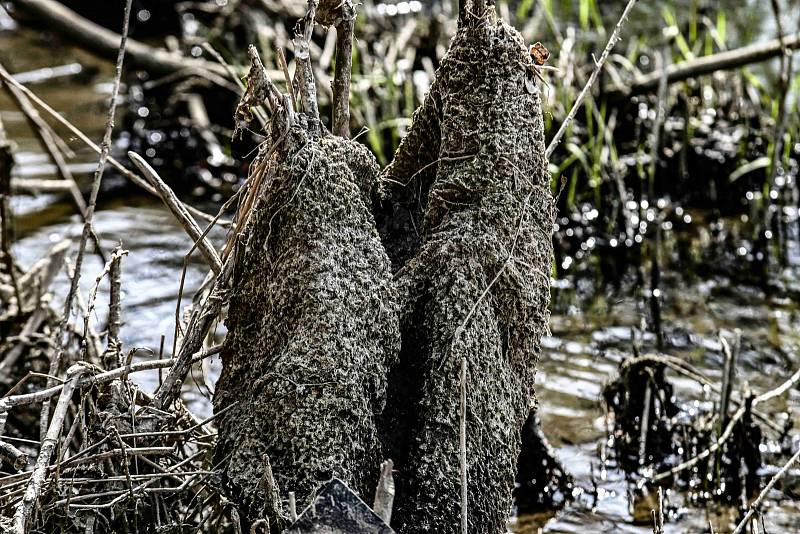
(730,59)
(105,43)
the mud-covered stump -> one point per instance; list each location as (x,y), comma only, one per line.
(312,325)
(487,223)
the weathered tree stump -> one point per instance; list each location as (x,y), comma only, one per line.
(471,176)
(312,327)
(319,327)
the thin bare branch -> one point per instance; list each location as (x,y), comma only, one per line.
(49,443)
(598,66)
(343,71)
(304,73)
(58,117)
(55,361)
(184,218)
(755,505)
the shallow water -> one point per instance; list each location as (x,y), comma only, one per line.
(141,224)
(590,337)
(583,354)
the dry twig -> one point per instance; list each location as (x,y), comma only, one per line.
(55,362)
(761,496)
(780,390)
(49,443)
(598,66)
(184,218)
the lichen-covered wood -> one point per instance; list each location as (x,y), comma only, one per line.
(312,327)
(477,288)
(337,358)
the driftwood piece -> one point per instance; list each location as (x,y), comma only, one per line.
(338,510)
(13,456)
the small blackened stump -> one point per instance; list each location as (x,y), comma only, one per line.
(542,483)
(626,397)
(313,325)
(337,510)
(487,223)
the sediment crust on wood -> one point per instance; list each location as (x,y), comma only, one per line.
(312,327)
(477,289)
